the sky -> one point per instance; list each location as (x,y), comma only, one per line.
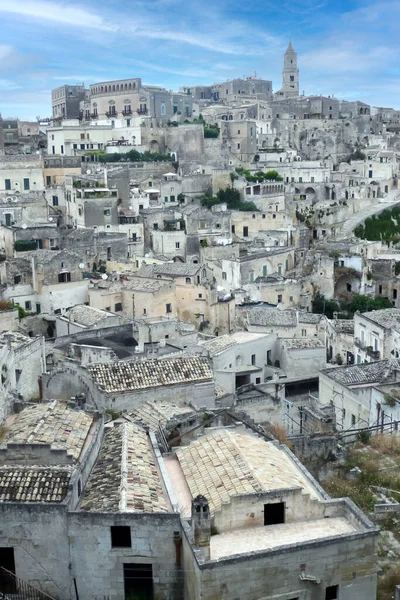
(346,48)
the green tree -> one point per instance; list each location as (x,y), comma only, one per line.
(364,303)
(322,306)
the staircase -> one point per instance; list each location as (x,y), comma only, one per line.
(13,588)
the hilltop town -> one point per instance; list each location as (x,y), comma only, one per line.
(200,344)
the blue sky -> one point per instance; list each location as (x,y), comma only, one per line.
(349,48)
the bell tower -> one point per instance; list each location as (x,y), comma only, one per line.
(290,73)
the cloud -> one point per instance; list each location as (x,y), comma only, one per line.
(50,11)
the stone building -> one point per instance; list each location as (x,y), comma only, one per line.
(65,101)
(290,75)
(377,335)
(125,385)
(129,519)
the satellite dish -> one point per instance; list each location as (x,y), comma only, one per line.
(104,276)
(98,170)
(81,265)
(50,218)
(131,208)
(88,172)
(24,226)
(9,199)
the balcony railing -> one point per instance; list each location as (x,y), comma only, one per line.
(359,343)
(375,354)
(142,111)
(94,115)
(13,587)
(109,114)
(127,112)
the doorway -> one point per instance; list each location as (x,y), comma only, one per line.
(274,513)
(7,562)
(138,581)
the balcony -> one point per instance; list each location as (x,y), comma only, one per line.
(374,354)
(142,111)
(127,112)
(111,114)
(94,115)
(359,343)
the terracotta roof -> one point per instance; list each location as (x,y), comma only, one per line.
(33,484)
(87,315)
(154,414)
(148,373)
(125,477)
(51,423)
(227,463)
(366,373)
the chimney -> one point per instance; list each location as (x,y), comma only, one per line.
(201,525)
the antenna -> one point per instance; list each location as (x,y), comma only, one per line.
(81,265)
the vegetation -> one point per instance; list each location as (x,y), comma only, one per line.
(357,155)
(231,197)
(211,131)
(25,245)
(364,304)
(259,176)
(322,306)
(383,227)
(131,156)
(378,458)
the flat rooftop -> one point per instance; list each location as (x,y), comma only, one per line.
(253,539)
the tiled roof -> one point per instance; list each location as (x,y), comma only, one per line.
(33,484)
(343,325)
(148,373)
(227,463)
(373,372)
(272,317)
(17,339)
(222,342)
(307,317)
(296,343)
(51,423)
(139,284)
(171,269)
(125,477)
(47,256)
(87,315)
(154,414)
(389,318)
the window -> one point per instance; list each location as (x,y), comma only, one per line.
(150,184)
(394,294)
(253,359)
(224,275)
(332,592)
(245,232)
(168,308)
(274,513)
(107,212)
(238,131)
(38,308)
(28,305)
(292,78)
(48,180)
(233,229)
(7,184)
(17,279)
(118,307)
(64,277)
(82,136)
(258,380)
(163,109)
(177,245)
(145,311)
(265,270)
(120,536)
(200,296)
(8,219)
(251,277)
(165,198)
(53,149)
(238,146)
(26,184)
(188,280)
(62,149)
(353,420)
(155,226)
(55,200)
(279,298)
(172,198)
(304,332)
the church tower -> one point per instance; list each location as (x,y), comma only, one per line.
(290,74)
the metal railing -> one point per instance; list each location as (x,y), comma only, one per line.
(13,588)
